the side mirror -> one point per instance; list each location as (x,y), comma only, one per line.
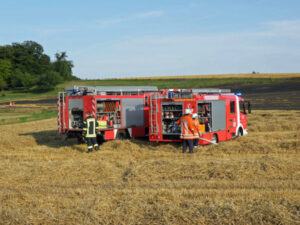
(249,107)
(244,109)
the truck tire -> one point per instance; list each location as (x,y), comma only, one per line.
(100,139)
(80,139)
(215,139)
(240,132)
(122,135)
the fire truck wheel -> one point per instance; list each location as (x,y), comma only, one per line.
(214,139)
(122,135)
(80,139)
(240,132)
(100,139)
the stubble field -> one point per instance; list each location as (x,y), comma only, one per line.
(250,180)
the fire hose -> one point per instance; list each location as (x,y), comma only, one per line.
(214,143)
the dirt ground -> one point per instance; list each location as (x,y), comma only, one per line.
(255,179)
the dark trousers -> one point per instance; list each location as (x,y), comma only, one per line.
(92,142)
(196,142)
(187,142)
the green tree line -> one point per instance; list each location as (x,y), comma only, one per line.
(26,65)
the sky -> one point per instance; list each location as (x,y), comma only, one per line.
(135,38)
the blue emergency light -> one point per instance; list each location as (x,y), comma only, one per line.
(238,94)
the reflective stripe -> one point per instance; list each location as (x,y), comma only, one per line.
(184,127)
(196,135)
(90,127)
(237,110)
(187,137)
(94,103)
(181,124)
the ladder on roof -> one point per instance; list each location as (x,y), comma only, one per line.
(153,112)
(110,90)
(61,123)
(200,91)
(210,91)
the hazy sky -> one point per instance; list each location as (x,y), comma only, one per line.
(160,37)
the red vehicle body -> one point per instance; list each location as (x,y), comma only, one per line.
(125,110)
(142,111)
(222,114)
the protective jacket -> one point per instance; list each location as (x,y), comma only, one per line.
(90,125)
(188,130)
(197,128)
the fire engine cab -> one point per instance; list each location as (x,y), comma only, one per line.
(222,114)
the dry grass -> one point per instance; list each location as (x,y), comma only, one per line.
(242,75)
(251,180)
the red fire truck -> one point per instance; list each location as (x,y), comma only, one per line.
(139,111)
(222,114)
(121,111)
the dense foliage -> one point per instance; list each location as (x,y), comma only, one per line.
(26,65)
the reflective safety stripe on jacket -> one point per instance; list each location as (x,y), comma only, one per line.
(187,127)
(89,125)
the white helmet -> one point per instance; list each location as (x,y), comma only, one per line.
(188,111)
(194,115)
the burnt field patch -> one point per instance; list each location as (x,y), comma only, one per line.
(284,95)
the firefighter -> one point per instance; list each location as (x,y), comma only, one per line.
(188,131)
(75,92)
(103,122)
(85,92)
(197,128)
(90,125)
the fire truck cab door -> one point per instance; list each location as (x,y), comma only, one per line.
(231,117)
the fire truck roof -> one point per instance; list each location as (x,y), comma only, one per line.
(115,89)
(201,90)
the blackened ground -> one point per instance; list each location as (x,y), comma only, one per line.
(271,96)
(284,95)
